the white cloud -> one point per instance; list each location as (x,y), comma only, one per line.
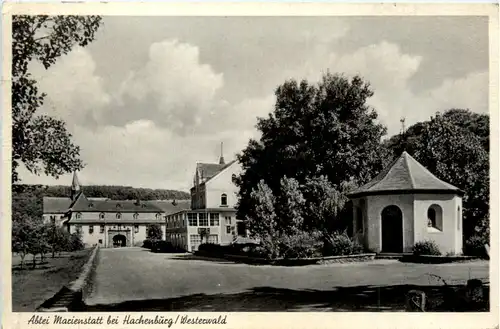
(175,83)
(389,71)
(168,115)
(74,91)
(172,84)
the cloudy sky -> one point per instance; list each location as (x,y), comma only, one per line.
(151,96)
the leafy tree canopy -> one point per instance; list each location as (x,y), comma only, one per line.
(324,129)
(41,142)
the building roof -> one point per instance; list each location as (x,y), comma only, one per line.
(169,207)
(83,204)
(59,205)
(405,175)
(55,205)
(207,171)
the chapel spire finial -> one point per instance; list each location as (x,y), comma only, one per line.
(221,160)
(75,186)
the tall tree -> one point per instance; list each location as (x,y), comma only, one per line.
(40,142)
(324,129)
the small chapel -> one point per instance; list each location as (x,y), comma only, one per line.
(406,204)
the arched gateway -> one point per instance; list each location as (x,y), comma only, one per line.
(119,240)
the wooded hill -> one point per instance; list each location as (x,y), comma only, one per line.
(102,191)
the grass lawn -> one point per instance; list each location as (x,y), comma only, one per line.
(31,287)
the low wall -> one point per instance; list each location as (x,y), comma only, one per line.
(292,261)
(428,259)
(71,299)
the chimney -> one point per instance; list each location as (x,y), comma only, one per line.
(221,160)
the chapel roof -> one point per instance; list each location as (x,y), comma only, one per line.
(405,175)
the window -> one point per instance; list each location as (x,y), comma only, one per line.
(213,238)
(223,199)
(195,241)
(214,219)
(101,215)
(78,229)
(53,220)
(118,216)
(228,220)
(78,215)
(91,205)
(101,229)
(193,219)
(434,218)
(158,216)
(228,229)
(136,215)
(203,219)
(136,228)
(118,205)
(459,218)
(100,241)
(91,229)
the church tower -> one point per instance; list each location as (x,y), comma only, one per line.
(221,160)
(75,187)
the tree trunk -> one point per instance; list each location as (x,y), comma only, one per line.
(22,259)
(34,261)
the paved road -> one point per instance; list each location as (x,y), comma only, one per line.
(136,279)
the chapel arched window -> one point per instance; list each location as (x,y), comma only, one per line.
(435,218)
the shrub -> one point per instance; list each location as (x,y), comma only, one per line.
(340,244)
(162,246)
(474,246)
(75,242)
(301,245)
(213,249)
(428,247)
(148,244)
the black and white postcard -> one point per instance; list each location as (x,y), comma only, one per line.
(318,165)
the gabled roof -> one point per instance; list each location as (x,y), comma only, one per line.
(208,171)
(405,175)
(55,205)
(60,205)
(83,204)
(169,207)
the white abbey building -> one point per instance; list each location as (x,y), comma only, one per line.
(213,201)
(105,222)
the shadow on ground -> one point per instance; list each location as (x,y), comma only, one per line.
(268,299)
